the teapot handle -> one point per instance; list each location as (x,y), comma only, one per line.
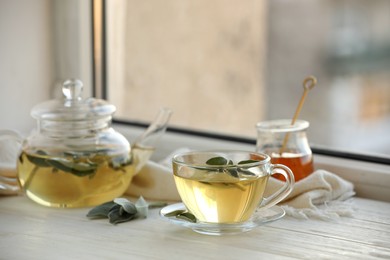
(6,134)
(8,182)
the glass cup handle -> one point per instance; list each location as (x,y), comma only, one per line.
(284,191)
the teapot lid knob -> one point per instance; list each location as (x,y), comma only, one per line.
(73,107)
(72,89)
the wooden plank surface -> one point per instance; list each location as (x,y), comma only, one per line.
(30,231)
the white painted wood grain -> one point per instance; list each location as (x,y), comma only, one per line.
(30,231)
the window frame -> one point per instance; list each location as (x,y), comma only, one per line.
(100,90)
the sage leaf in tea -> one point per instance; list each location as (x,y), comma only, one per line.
(217,161)
(247,162)
(246,170)
(233,172)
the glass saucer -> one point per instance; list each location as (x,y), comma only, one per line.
(261,217)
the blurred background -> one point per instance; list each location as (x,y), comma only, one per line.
(221,65)
(225,65)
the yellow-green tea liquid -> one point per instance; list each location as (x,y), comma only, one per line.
(223,200)
(53,187)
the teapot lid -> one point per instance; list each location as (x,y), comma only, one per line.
(72,107)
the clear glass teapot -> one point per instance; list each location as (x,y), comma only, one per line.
(76,158)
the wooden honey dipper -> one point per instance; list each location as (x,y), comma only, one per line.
(308,83)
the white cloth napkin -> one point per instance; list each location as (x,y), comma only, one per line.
(154,182)
(321,195)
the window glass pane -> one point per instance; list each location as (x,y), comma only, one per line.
(224,65)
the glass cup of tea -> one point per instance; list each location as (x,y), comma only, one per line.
(227,187)
(286,144)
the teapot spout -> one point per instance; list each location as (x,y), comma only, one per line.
(158,127)
(144,145)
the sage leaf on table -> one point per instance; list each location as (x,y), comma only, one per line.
(126,205)
(174,213)
(187,216)
(101,211)
(118,215)
(142,207)
(181,214)
(122,210)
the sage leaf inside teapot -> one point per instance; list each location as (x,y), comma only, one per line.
(38,161)
(77,168)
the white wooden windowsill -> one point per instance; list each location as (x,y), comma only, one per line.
(31,231)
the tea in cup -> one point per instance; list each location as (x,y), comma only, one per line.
(227,187)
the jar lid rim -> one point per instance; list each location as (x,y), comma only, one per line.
(282,125)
